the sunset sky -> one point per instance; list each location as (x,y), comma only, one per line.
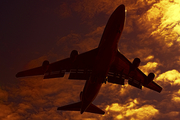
(32,31)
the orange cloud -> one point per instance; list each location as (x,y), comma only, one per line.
(3,95)
(176,97)
(170,77)
(168,24)
(5,111)
(145,112)
(132,111)
(149,67)
(150,57)
(173,114)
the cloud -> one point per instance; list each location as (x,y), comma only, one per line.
(35,98)
(64,10)
(3,95)
(170,77)
(131,110)
(4,111)
(168,22)
(90,8)
(75,41)
(149,67)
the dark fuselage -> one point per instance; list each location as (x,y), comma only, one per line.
(107,50)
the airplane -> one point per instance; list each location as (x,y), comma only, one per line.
(97,66)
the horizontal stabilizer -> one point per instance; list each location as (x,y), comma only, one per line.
(94,109)
(71,107)
(77,106)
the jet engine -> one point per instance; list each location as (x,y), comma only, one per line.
(45,65)
(150,78)
(136,63)
(74,55)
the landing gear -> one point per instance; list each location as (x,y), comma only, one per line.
(105,79)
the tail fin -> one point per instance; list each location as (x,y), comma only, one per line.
(77,106)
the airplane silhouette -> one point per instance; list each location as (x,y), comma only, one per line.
(104,63)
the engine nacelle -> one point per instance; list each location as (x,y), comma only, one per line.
(45,65)
(74,55)
(136,63)
(81,95)
(150,78)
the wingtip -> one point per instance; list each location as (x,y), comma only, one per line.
(160,90)
(18,74)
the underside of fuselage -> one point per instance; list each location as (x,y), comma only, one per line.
(105,57)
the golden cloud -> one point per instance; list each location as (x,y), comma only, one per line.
(149,67)
(176,97)
(131,110)
(145,112)
(166,14)
(150,57)
(172,77)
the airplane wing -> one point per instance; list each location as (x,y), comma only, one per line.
(122,69)
(80,68)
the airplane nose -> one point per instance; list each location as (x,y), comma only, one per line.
(121,7)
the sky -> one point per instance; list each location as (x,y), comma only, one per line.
(38,30)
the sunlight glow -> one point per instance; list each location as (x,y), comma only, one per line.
(166,15)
